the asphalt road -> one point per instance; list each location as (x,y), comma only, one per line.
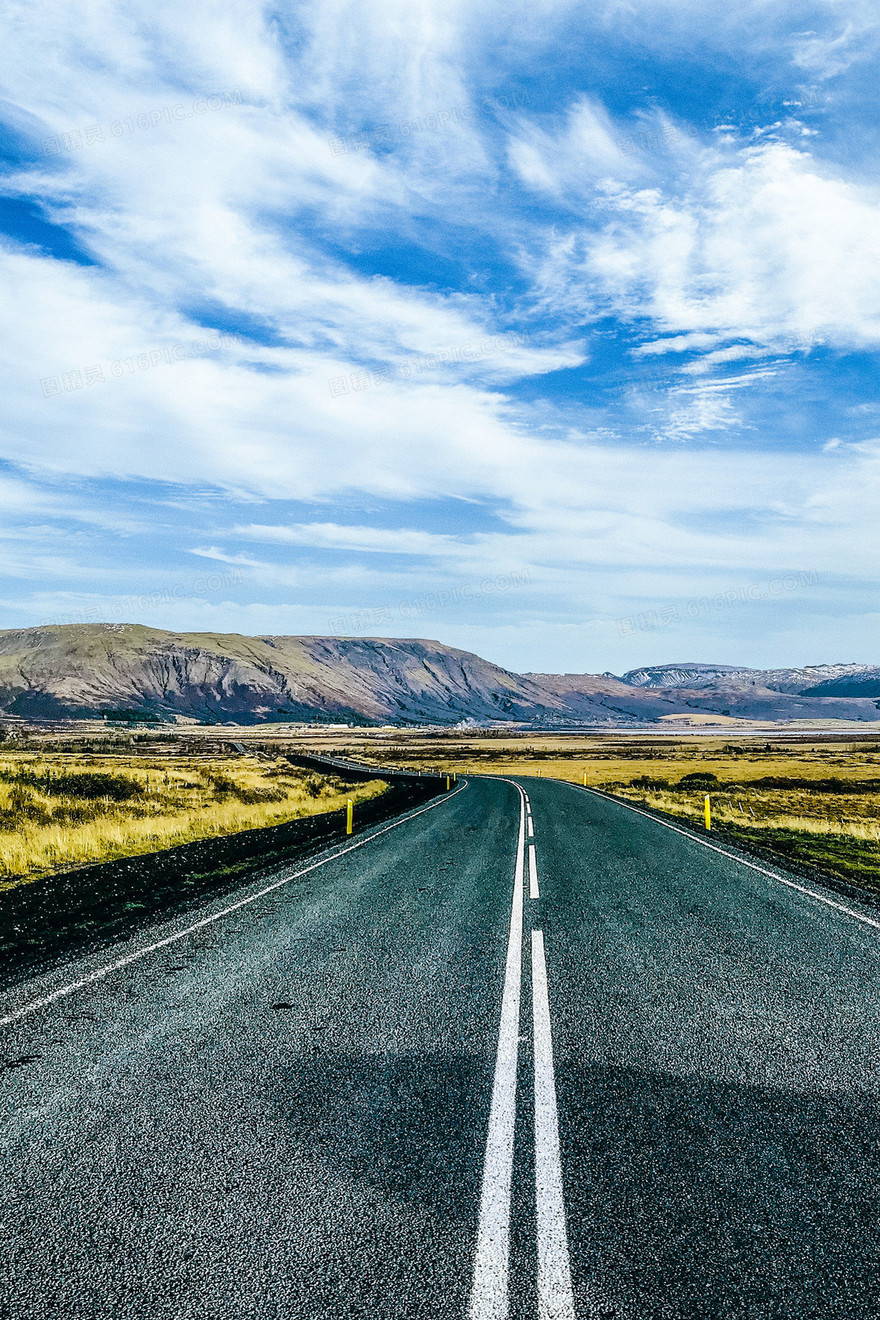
(446,1074)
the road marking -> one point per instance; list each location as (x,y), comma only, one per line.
(534,891)
(489,1291)
(531,827)
(792,884)
(555,1299)
(130,958)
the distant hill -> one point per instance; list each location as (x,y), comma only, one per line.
(91,669)
(679,676)
(812,680)
(815,692)
(81,671)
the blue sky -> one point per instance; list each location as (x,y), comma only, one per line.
(549,330)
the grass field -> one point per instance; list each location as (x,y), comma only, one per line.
(798,798)
(59,811)
(814,802)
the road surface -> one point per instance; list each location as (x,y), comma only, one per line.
(526,1054)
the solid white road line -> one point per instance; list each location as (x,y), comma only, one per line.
(555,1299)
(130,958)
(534,891)
(695,838)
(489,1291)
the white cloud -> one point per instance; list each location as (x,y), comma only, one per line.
(674,344)
(762,245)
(248,207)
(333,536)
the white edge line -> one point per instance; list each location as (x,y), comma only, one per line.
(555,1299)
(489,1299)
(116,966)
(695,838)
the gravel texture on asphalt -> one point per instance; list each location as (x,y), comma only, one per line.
(58,916)
(283,1114)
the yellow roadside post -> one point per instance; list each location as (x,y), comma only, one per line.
(585,779)
(349,816)
(708,812)
(447,783)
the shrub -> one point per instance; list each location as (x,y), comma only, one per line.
(22,806)
(88,784)
(250,796)
(222,785)
(833,784)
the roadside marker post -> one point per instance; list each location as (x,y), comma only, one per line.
(707,806)
(585,779)
(447,783)
(349,816)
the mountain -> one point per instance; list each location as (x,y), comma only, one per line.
(815,692)
(813,680)
(80,671)
(91,669)
(603,699)
(681,676)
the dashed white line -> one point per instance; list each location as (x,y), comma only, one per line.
(534,891)
(489,1292)
(555,1299)
(130,958)
(531,826)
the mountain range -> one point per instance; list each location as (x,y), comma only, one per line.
(127,670)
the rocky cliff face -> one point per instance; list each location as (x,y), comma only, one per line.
(815,680)
(96,668)
(814,692)
(681,676)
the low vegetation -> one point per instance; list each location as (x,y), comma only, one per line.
(61,810)
(830,824)
(793,797)
(796,799)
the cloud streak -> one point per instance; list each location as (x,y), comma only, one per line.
(559,314)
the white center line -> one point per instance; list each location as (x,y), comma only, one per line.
(489,1292)
(555,1299)
(531,827)
(534,891)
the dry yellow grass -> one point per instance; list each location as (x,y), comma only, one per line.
(46,825)
(770,809)
(837,830)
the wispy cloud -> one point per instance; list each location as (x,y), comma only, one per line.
(592,221)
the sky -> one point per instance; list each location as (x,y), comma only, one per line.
(548,330)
